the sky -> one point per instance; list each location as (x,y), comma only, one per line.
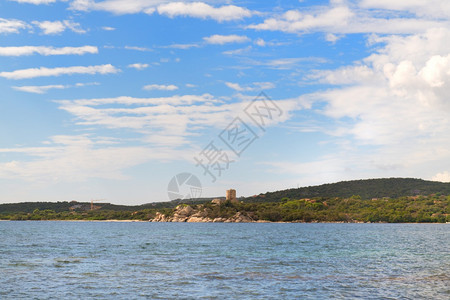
(114,99)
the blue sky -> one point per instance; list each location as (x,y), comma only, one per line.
(111,99)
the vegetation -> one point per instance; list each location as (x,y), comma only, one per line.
(411,205)
(367,189)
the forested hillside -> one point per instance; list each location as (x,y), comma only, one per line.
(366,189)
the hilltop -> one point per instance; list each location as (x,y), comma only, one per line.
(365,188)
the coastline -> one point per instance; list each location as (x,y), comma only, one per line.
(111,221)
(259,221)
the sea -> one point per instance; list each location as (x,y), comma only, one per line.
(143,260)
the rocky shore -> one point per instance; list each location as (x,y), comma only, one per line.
(184,213)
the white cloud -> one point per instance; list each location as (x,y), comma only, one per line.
(138,66)
(116,6)
(260,42)
(38,89)
(79,158)
(204,11)
(160,87)
(442,177)
(107,28)
(175,118)
(183,46)
(225,39)
(12,26)
(253,87)
(171,9)
(56,27)
(393,106)
(142,49)
(286,63)
(44,50)
(341,19)
(343,76)
(295,21)
(42,89)
(423,8)
(332,38)
(35,2)
(49,27)
(46,72)
(263,85)
(237,87)
(172,100)
(165,124)
(75,27)
(239,51)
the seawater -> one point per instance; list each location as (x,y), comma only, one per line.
(110,260)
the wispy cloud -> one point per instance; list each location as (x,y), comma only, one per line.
(35,2)
(177,115)
(226,39)
(173,9)
(12,26)
(239,51)
(341,19)
(56,27)
(160,87)
(138,66)
(142,49)
(46,72)
(42,89)
(183,46)
(46,51)
(204,11)
(38,89)
(252,87)
(286,63)
(78,158)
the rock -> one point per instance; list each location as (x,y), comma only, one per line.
(159,218)
(198,219)
(185,213)
(200,213)
(241,218)
(182,213)
(219,220)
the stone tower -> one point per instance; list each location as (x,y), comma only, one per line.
(231,195)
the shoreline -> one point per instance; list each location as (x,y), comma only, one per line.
(260,222)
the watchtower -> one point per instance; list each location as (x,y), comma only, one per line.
(231,195)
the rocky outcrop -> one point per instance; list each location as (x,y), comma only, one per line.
(239,218)
(159,218)
(185,213)
(199,216)
(182,213)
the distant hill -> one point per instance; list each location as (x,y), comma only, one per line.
(367,189)
(62,206)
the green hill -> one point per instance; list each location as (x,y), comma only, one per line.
(64,206)
(366,189)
